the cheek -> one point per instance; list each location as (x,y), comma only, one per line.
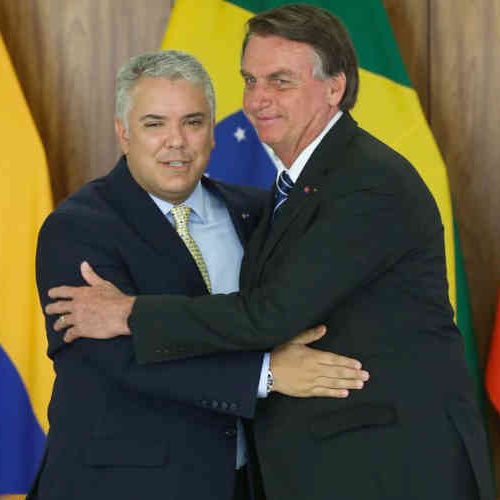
(246,103)
(204,144)
(138,147)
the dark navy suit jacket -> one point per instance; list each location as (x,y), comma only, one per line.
(118,429)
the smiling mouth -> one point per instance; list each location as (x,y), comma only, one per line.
(265,120)
(174,163)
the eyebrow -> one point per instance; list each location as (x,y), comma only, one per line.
(198,114)
(281,72)
(274,74)
(152,116)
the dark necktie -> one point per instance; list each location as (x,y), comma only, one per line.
(284,185)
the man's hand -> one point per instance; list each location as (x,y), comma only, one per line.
(303,372)
(98,311)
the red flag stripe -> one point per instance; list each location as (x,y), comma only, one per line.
(493,365)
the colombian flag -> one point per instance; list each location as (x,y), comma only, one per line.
(25,371)
(388,107)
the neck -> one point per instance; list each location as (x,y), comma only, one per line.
(288,153)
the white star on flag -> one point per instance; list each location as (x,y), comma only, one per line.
(240,134)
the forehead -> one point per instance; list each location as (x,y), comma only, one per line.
(168,94)
(269,54)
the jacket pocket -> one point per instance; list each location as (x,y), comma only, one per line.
(354,418)
(125,452)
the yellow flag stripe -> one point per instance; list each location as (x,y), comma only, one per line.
(25,200)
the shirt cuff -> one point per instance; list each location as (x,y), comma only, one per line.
(262,390)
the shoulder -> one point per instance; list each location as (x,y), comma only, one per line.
(372,163)
(81,211)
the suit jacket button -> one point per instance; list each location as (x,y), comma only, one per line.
(224,405)
(215,404)
(233,406)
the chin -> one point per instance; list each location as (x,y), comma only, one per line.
(268,137)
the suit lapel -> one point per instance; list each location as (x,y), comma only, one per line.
(327,156)
(139,211)
(242,217)
(253,250)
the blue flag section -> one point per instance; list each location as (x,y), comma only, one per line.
(239,157)
(21,437)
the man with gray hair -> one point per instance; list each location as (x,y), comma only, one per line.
(155,225)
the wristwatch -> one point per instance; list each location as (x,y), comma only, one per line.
(270,381)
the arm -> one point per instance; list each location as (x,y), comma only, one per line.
(229,377)
(63,242)
(352,238)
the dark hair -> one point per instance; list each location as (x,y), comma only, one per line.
(324,32)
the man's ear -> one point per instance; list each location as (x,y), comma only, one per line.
(213,133)
(336,89)
(122,135)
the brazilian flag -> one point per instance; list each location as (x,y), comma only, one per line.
(388,107)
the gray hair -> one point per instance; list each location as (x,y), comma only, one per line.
(170,64)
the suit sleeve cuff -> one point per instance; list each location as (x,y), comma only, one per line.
(262,389)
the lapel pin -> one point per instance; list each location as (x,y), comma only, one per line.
(245,215)
(307,189)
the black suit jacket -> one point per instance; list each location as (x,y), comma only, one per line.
(117,429)
(358,246)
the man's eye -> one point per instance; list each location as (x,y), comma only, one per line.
(280,82)
(152,124)
(195,122)
(249,81)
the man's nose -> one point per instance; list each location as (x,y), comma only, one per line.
(174,137)
(259,96)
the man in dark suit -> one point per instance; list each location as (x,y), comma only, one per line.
(170,430)
(353,239)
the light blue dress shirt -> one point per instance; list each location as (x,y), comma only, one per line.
(211,227)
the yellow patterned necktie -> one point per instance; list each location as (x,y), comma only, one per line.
(181,215)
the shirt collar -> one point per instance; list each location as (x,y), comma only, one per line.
(197,202)
(300,162)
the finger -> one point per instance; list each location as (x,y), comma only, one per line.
(332,359)
(62,292)
(339,383)
(90,276)
(308,336)
(63,322)
(342,373)
(59,307)
(326,392)
(70,335)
